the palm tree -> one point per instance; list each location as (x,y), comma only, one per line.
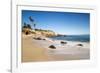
(25,25)
(29,26)
(34,26)
(32,20)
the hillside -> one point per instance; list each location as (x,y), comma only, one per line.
(47,33)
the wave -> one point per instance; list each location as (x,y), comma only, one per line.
(81,38)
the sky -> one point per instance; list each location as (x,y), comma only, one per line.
(59,22)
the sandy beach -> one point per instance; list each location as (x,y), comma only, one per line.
(38,50)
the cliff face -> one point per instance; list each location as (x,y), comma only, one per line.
(47,33)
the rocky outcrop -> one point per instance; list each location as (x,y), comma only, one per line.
(26,31)
(47,33)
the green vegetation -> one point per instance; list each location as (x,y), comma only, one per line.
(27,26)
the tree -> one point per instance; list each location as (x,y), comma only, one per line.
(34,26)
(29,26)
(25,25)
(32,20)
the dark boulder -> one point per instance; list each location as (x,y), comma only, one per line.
(52,47)
(79,44)
(27,33)
(62,42)
(43,39)
(38,38)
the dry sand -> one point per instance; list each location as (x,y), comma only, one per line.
(37,50)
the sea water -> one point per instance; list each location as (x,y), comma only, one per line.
(80,38)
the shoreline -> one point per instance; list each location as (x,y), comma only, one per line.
(38,50)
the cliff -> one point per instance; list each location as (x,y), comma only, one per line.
(47,33)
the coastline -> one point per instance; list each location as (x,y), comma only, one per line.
(38,50)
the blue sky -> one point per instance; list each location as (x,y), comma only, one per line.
(60,22)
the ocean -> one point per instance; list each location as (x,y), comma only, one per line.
(80,38)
